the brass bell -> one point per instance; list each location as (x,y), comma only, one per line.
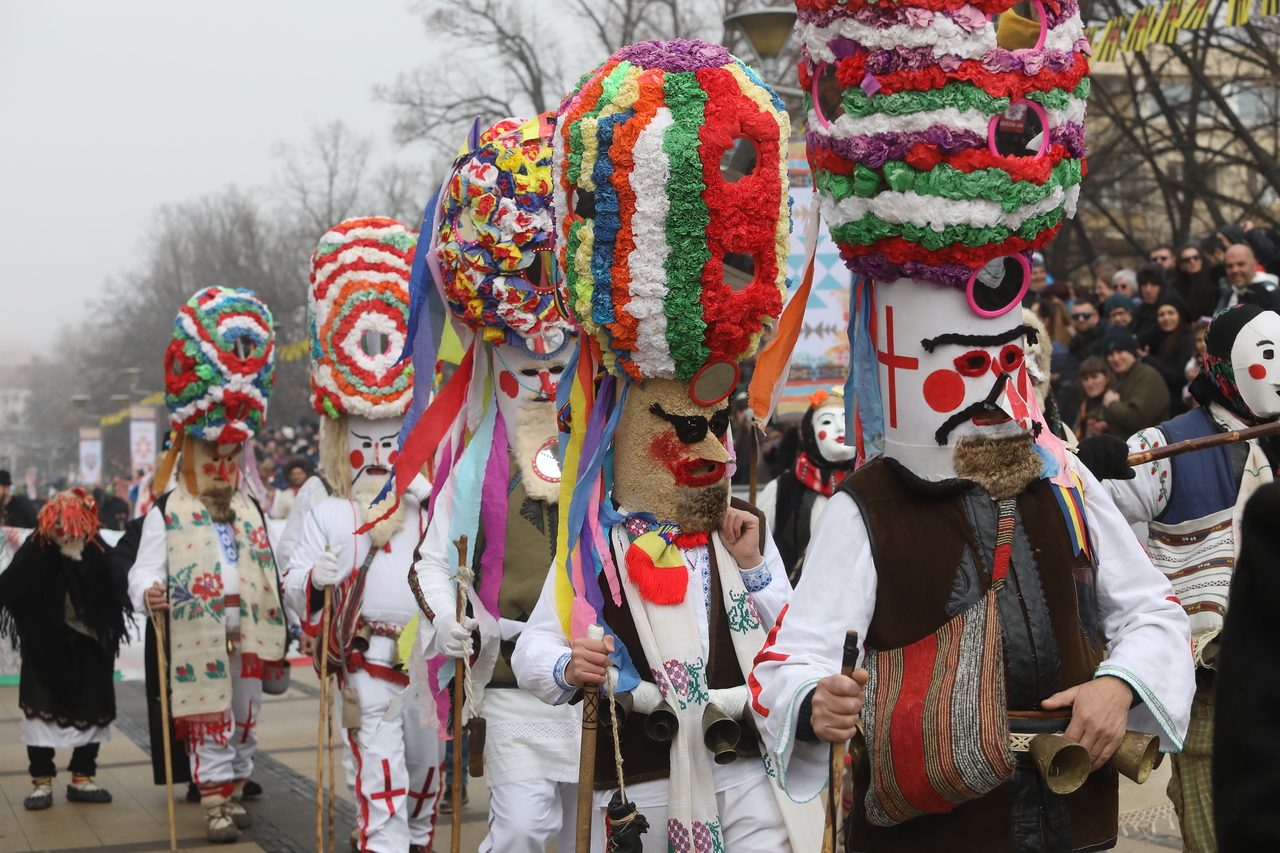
(1138,754)
(720,734)
(1063,764)
(662,723)
(360,642)
(624,702)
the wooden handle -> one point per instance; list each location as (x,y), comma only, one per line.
(162,668)
(459,696)
(848,660)
(587,757)
(326,710)
(1203,443)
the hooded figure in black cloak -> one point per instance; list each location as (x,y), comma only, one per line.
(61,603)
(792,503)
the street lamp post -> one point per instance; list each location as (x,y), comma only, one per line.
(768,30)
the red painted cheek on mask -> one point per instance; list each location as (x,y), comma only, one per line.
(1257,371)
(667,450)
(209,469)
(508,384)
(392,456)
(944,390)
(822,435)
(357,459)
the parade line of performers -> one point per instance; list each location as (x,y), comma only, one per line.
(971,611)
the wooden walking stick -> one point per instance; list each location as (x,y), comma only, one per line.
(836,771)
(326,711)
(1203,443)
(332,772)
(459,695)
(162,666)
(587,757)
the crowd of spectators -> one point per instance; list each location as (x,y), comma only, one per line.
(1126,346)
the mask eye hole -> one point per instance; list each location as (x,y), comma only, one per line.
(243,347)
(1268,354)
(583,203)
(973,363)
(740,160)
(374,343)
(1011,358)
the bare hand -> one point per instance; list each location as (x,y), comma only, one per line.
(1246,225)
(740,531)
(837,702)
(1099,715)
(1097,427)
(1110,397)
(590,661)
(306,644)
(157,598)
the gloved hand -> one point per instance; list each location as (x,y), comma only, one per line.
(1106,457)
(325,571)
(452,639)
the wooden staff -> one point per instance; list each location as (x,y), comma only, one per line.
(162,665)
(326,711)
(1203,443)
(587,757)
(329,746)
(836,771)
(459,695)
(753,464)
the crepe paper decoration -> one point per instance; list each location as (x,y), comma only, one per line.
(943,134)
(862,403)
(647,219)
(358,310)
(220,365)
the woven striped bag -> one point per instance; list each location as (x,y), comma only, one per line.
(934,714)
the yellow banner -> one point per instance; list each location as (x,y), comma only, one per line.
(1238,12)
(1110,40)
(293,351)
(156,399)
(1136,39)
(1195,15)
(1166,26)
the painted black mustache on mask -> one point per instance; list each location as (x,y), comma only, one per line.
(968,412)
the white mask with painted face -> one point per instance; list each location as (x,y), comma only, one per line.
(373,446)
(526,379)
(1255,358)
(828,431)
(938,361)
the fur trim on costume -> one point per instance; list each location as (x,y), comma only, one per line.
(358,306)
(1004,466)
(366,490)
(535,426)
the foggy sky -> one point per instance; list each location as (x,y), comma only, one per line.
(110,109)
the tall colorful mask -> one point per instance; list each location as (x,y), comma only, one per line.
(220,366)
(673,212)
(496,235)
(946,138)
(358,308)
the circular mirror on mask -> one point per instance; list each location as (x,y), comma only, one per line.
(467,231)
(999,286)
(541,273)
(714,382)
(546,462)
(740,160)
(827,99)
(739,270)
(374,343)
(1019,131)
(549,344)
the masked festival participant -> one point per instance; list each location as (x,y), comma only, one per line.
(204,555)
(359,307)
(493,242)
(673,268)
(996,590)
(792,502)
(59,602)
(1192,505)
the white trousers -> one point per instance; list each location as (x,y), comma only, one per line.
(525,816)
(749,820)
(395,768)
(222,764)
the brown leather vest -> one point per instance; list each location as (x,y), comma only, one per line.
(643,758)
(926,550)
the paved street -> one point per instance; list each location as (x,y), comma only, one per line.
(284,818)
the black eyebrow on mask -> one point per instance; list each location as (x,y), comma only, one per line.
(930,344)
(1260,343)
(358,435)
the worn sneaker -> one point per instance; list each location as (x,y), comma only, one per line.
(355,838)
(220,827)
(41,797)
(84,790)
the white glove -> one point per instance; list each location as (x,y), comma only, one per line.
(325,571)
(453,640)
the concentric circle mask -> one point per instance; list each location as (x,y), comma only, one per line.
(497,233)
(946,137)
(359,312)
(674,216)
(220,366)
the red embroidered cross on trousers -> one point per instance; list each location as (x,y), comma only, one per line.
(387,792)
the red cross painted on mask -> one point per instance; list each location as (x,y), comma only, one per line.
(247,725)
(387,792)
(893,361)
(425,794)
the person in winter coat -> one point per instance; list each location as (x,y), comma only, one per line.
(1141,398)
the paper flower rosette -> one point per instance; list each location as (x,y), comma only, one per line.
(220,366)
(944,134)
(358,311)
(670,265)
(496,234)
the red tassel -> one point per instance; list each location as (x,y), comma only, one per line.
(659,585)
